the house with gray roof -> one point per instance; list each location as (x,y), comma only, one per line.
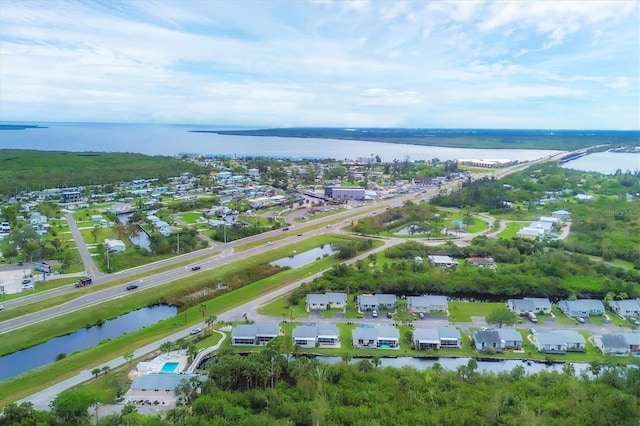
(511,337)
(436,338)
(158,386)
(575,341)
(549,342)
(316,335)
(370,302)
(612,344)
(537,305)
(626,308)
(488,341)
(632,340)
(581,307)
(442,261)
(254,334)
(427,303)
(321,302)
(381,337)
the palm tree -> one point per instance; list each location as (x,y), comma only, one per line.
(180,343)
(96,372)
(166,347)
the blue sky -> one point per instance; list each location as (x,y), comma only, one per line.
(448,64)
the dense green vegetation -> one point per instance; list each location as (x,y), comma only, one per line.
(268,389)
(526,268)
(564,140)
(607,226)
(27,170)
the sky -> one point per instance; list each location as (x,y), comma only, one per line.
(323,63)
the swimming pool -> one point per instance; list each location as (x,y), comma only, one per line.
(169,367)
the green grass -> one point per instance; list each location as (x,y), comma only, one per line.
(463,311)
(560,317)
(511,230)
(191,217)
(280,307)
(19,387)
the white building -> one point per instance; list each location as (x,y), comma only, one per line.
(115,246)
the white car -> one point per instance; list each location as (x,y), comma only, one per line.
(196,330)
(1,307)
(270,243)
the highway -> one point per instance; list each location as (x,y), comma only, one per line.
(226,254)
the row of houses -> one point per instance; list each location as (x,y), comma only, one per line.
(574,308)
(364,337)
(371,302)
(423,338)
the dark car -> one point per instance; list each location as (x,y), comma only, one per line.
(389,315)
(132,287)
(299,235)
(285,229)
(195,268)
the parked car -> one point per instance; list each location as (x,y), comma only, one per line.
(580,320)
(374,313)
(195,268)
(132,287)
(196,330)
(26,281)
(634,321)
(421,315)
(1,307)
(389,315)
(27,286)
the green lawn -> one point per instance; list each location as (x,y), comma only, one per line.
(191,217)
(280,308)
(511,230)
(560,317)
(16,388)
(463,311)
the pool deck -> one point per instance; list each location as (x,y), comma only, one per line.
(155,365)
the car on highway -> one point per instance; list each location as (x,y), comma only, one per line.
(270,243)
(132,287)
(285,229)
(299,235)
(195,268)
(196,330)
(328,226)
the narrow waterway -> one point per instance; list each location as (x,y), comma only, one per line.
(28,359)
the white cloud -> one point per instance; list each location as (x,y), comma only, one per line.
(320,63)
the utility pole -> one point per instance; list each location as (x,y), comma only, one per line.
(108,265)
(178,250)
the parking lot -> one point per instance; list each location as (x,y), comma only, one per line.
(11,279)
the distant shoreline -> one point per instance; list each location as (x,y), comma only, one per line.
(562,140)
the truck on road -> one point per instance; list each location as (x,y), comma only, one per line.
(83,282)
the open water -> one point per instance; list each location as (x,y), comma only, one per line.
(158,139)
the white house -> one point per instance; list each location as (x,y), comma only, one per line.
(581,307)
(254,334)
(322,335)
(442,261)
(627,307)
(326,301)
(381,337)
(427,303)
(537,305)
(115,246)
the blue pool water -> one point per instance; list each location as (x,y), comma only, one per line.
(169,367)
